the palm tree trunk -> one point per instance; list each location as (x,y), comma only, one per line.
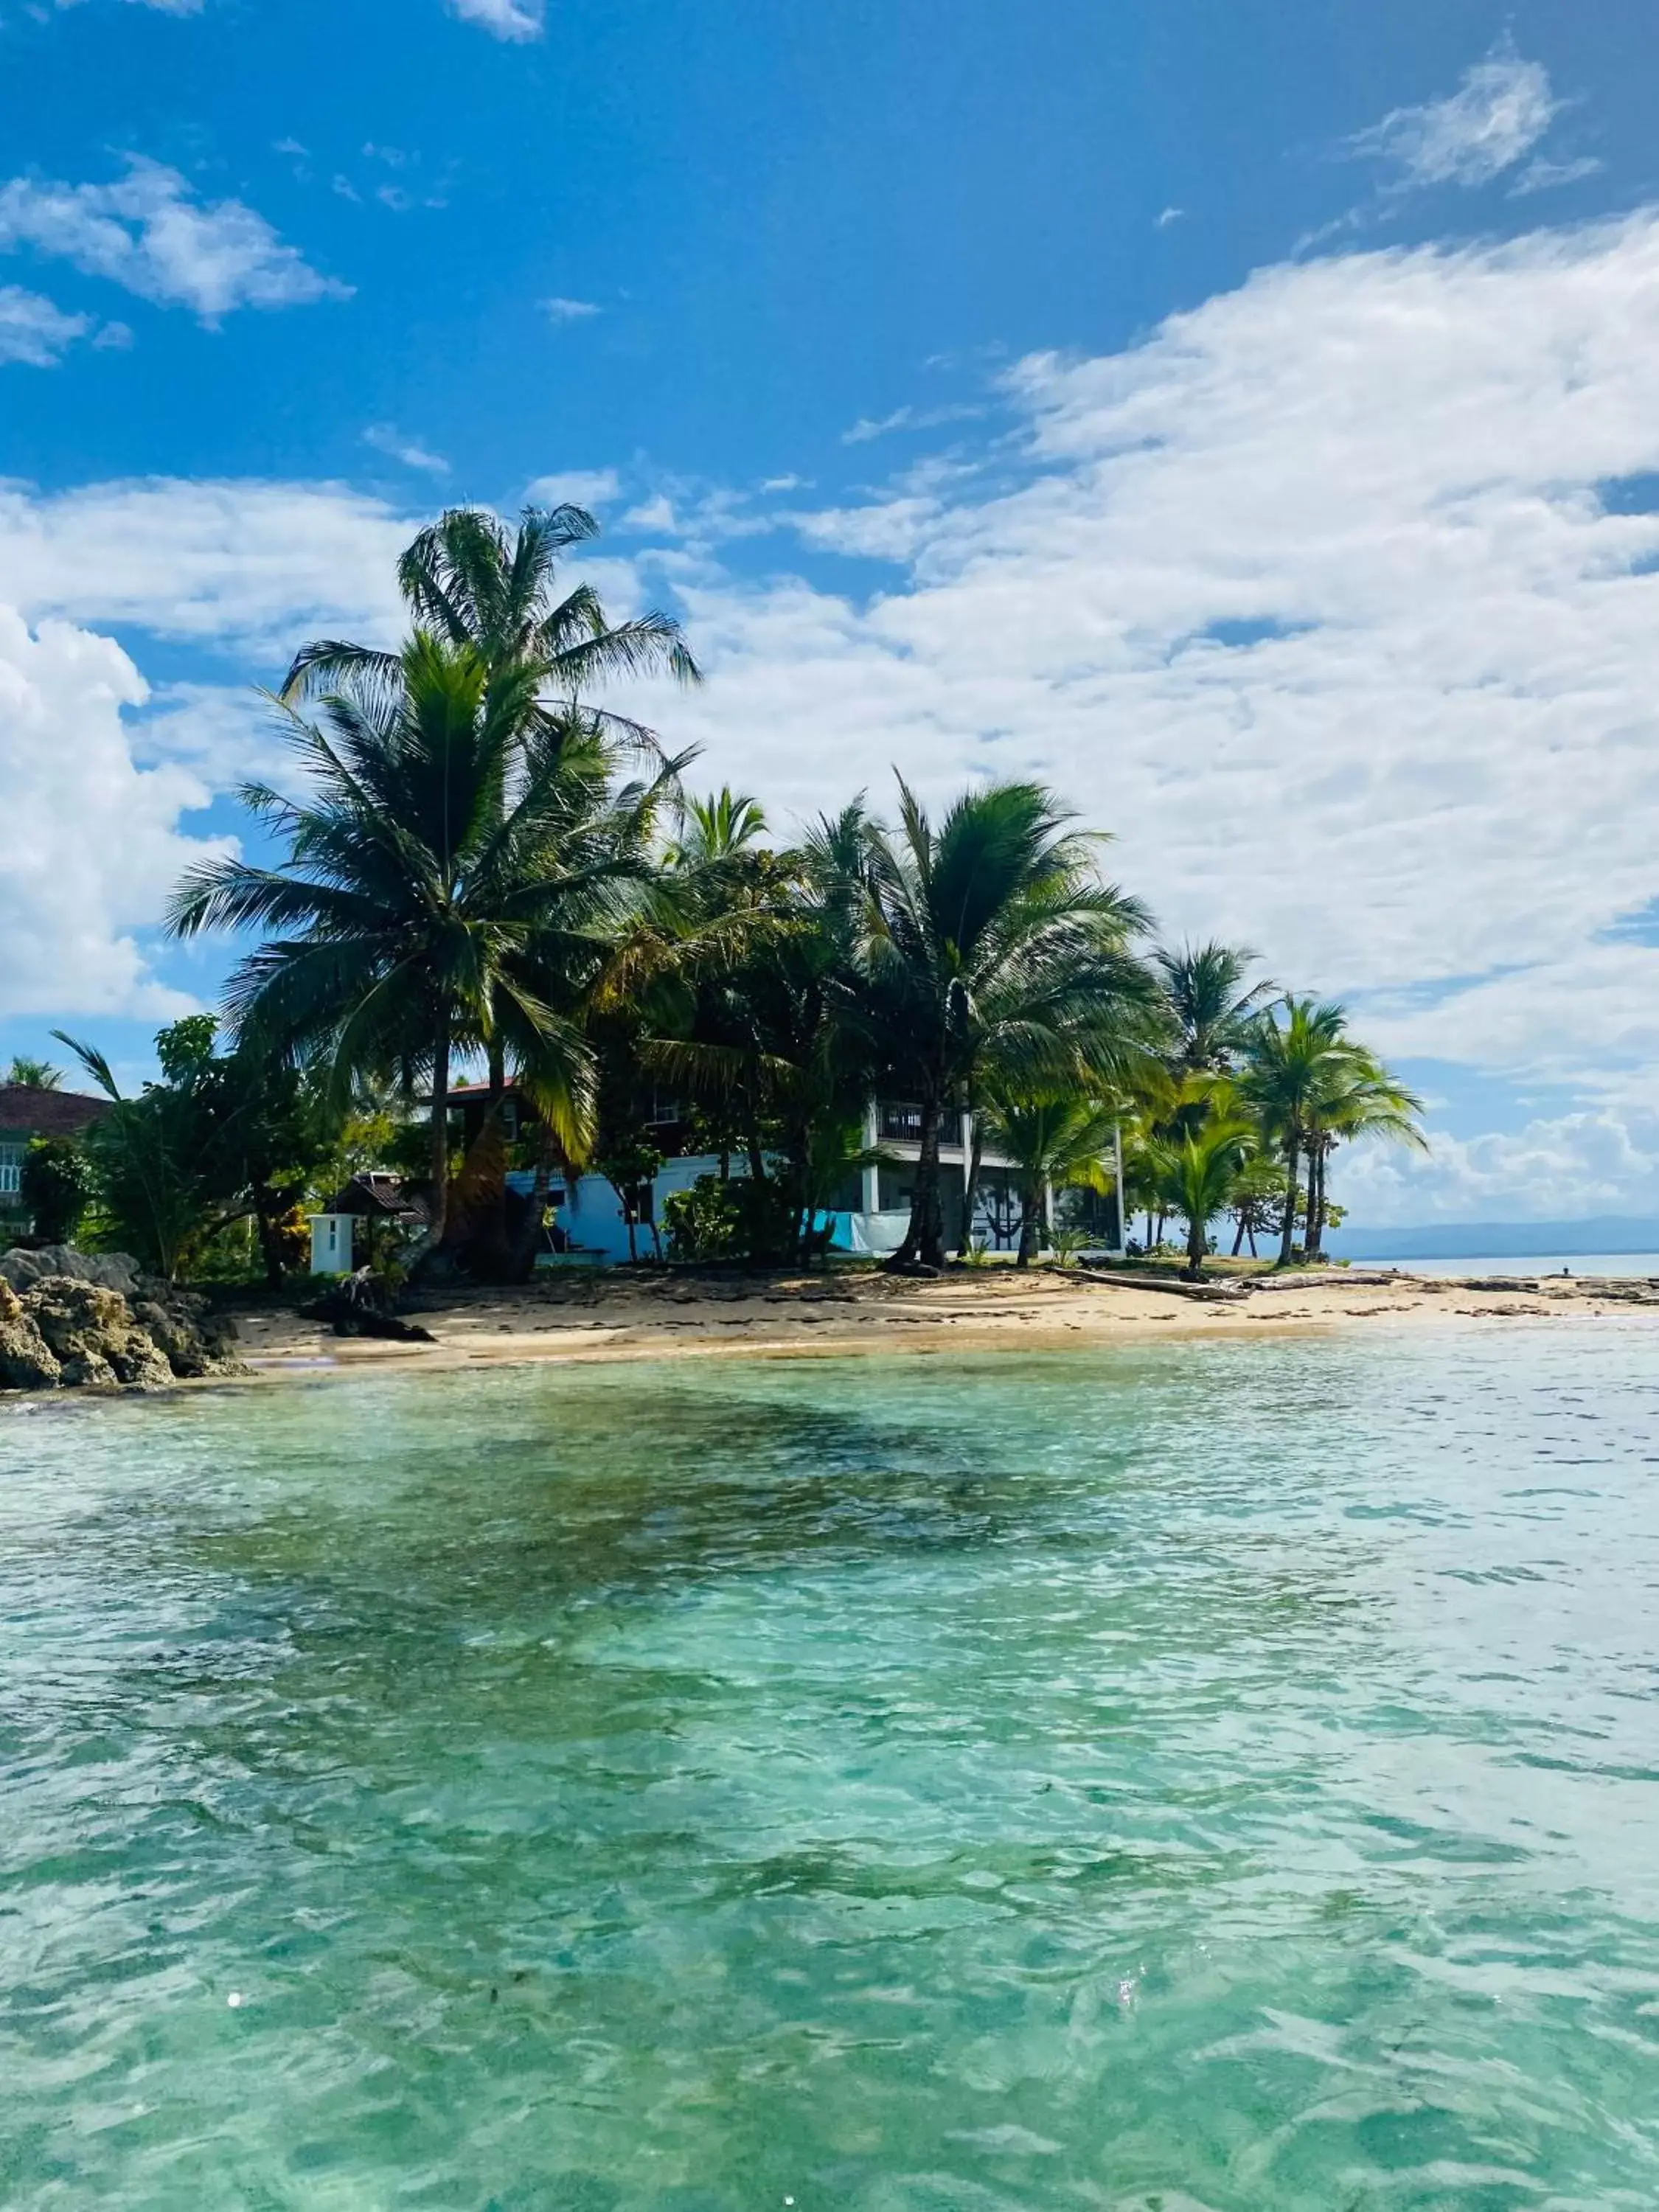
(1287,1227)
(523,1256)
(1238,1241)
(924,1239)
(267,1209)
(1314,1243)
(976,1162)
(494,1225)
(440,1152)
(1030,1210)
(1197,1241)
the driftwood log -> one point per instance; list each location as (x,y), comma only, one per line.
(360,1305)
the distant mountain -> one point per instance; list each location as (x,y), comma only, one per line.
(1495,1240)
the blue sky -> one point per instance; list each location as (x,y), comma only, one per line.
(1240,415)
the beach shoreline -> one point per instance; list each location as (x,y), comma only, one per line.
(618,1316)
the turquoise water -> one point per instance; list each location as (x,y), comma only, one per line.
(1218,1779)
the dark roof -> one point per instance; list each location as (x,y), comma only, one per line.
(47,1113)
(385,1197)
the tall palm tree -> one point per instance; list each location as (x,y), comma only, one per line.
(993,943)
(1057,1142)
(1211,1003)
(467,580)
(1360,1099)
(1201,1176)
(450,883)
(1291,1065)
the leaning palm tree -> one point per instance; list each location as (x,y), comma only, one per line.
(994,943)
(1211,1003)
(1057,1142)
(1290,1066)
(450,883)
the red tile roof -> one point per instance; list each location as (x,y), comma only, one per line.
(28,1112)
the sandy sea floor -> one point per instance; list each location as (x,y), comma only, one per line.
(622,1316)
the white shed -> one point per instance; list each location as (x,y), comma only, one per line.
(331,1243)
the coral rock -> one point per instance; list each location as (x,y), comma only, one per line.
(26,1361)
(93,1335)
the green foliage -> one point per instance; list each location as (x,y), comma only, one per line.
(219,1140)
(32,1074)
(1200,1176)
(997,949)
(56,1187)
(737,1219)
(701,1224)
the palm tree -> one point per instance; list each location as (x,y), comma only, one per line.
(1291,1067)
(1201,1175)
(1212,1006)
(450,883)
(35,1074)
(765,946)
(467,581)
(1362,1099)
(1057,1142)
(992,943)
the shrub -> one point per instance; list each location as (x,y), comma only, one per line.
(56,1188)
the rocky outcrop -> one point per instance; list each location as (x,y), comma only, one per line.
(95,1340)
(196,1340)
(67,1331)
(110,1271)
(26,1361)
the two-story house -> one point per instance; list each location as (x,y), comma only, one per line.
(25,1112)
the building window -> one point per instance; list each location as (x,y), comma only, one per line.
(11,1171)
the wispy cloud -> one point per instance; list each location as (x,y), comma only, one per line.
(35,330)
(1170,215)
(907,418)
(570,311)
(514,20)
(385,438)
(1541,176)
(148,233)
(574,488)
(1498,113)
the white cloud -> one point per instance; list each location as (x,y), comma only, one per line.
(1315,597)
(515,20)
(570,311)
(89,842)
(1168,216)
(247,566)
(385,438)
(1596,1160)
(1498,113)
(575,487)
(148,233)
(33,330)
(655,514)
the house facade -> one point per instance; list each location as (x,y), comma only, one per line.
(26,1112)
(869,1215)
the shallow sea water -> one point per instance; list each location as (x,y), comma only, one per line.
(1214,1778)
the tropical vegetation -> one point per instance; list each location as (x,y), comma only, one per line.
(479,866)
